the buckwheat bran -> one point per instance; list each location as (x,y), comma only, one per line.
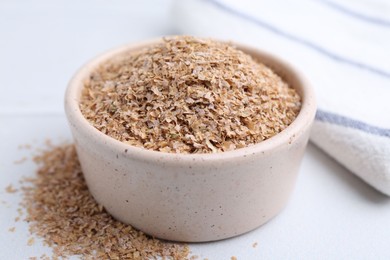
(188,95)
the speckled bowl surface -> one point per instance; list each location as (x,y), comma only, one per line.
(191,197)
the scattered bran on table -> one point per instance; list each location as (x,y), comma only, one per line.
(31,241)
(61,210)
(11,229)
(188,95)
(10,189)
(21,160)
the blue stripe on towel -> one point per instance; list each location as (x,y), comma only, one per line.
(355,14)
(299,40)
(351,123)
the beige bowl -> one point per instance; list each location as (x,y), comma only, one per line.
(191,197)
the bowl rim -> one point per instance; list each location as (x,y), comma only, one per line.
(75,117)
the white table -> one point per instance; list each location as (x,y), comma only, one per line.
(331,215)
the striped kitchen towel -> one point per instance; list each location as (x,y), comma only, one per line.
(342,47)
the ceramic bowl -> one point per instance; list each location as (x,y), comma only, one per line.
(192,197)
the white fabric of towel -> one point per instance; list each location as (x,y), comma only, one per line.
(342,47)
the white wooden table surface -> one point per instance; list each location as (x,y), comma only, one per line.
(331,215)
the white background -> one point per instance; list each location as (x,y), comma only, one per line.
(331,215)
